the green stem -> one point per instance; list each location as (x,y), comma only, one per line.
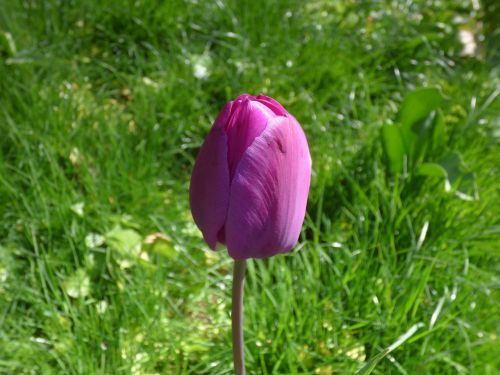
(237,316)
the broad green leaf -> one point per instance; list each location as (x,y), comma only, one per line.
(463,182)
(422,131)
(160,244)
(451,169)
(125,241)
(94,240)
(432,169)
(427,133)
(468,187)
(393,147)
(78,284)
(430,135)
(439,131)
(453,165)
(414,117)
(164,249)
(419,104)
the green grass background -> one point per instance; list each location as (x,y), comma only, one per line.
(103,106)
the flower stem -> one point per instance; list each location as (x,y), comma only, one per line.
(237,316)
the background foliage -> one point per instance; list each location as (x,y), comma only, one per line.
(103,105)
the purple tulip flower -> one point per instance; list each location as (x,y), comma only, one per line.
(251,179)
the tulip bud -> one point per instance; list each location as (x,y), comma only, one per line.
(251,179)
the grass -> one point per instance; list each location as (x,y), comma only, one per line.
(103,105)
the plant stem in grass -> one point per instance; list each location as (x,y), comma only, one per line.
(237,316)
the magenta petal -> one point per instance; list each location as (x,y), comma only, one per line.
(269,192)
(209,190)
(247,122)
(273,104)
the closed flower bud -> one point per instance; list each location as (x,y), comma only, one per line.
(251,179)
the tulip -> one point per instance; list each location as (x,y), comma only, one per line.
(251,179)
(249,189)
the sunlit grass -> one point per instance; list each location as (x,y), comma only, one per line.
(103,106)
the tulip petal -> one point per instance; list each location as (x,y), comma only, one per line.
(272,104)
(269,192)
(209,189)
(247,122)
